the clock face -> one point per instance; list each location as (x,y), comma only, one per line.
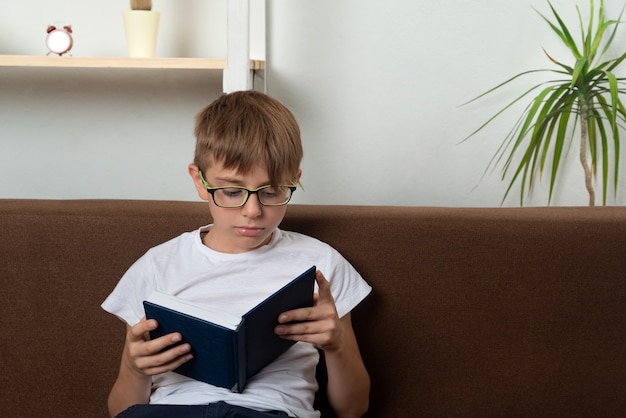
(59,41)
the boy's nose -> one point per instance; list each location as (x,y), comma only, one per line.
(252,208)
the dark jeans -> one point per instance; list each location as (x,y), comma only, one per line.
(213,410)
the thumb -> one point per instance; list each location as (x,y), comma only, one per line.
(324,293)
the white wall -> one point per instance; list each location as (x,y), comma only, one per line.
(375,85)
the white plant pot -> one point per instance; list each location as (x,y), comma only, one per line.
(142,28)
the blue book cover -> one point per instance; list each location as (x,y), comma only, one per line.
(229,350)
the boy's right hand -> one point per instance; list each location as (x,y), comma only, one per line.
(141,359)
(151,357)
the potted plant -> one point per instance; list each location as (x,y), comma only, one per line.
(141,25)
(583,103)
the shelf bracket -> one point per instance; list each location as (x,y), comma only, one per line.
(238,74)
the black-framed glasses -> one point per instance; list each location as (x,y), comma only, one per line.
(237,196)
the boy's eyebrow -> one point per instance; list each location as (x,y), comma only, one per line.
(236,181)
(228,180)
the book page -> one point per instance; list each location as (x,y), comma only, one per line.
(172,302)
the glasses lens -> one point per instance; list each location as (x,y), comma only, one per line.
(230,198)
(273,196)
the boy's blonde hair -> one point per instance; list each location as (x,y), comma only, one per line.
(246,128)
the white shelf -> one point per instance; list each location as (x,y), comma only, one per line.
(119,62)
(238,71)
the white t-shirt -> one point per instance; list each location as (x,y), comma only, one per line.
(235,283)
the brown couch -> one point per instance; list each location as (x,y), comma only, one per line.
(475,312)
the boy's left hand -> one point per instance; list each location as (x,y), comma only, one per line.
(319,325)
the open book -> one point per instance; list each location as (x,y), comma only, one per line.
(227,349)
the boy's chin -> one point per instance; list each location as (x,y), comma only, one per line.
(246,243)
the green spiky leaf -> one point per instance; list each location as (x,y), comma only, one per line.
(586,98)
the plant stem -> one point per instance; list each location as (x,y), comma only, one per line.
(583,155)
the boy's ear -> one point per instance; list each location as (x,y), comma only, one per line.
(194,172)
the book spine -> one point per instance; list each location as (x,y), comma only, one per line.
(240,357)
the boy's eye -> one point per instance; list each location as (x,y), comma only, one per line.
(270,192)
(232,193)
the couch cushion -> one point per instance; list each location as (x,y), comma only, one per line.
(474,312)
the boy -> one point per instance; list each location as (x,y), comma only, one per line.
(246,166)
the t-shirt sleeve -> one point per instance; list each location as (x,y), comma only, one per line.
(126,300)
(347,285)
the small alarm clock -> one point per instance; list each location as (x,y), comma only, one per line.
(59,40)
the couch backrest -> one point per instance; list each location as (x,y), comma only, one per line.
(475,312)
(487,312)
